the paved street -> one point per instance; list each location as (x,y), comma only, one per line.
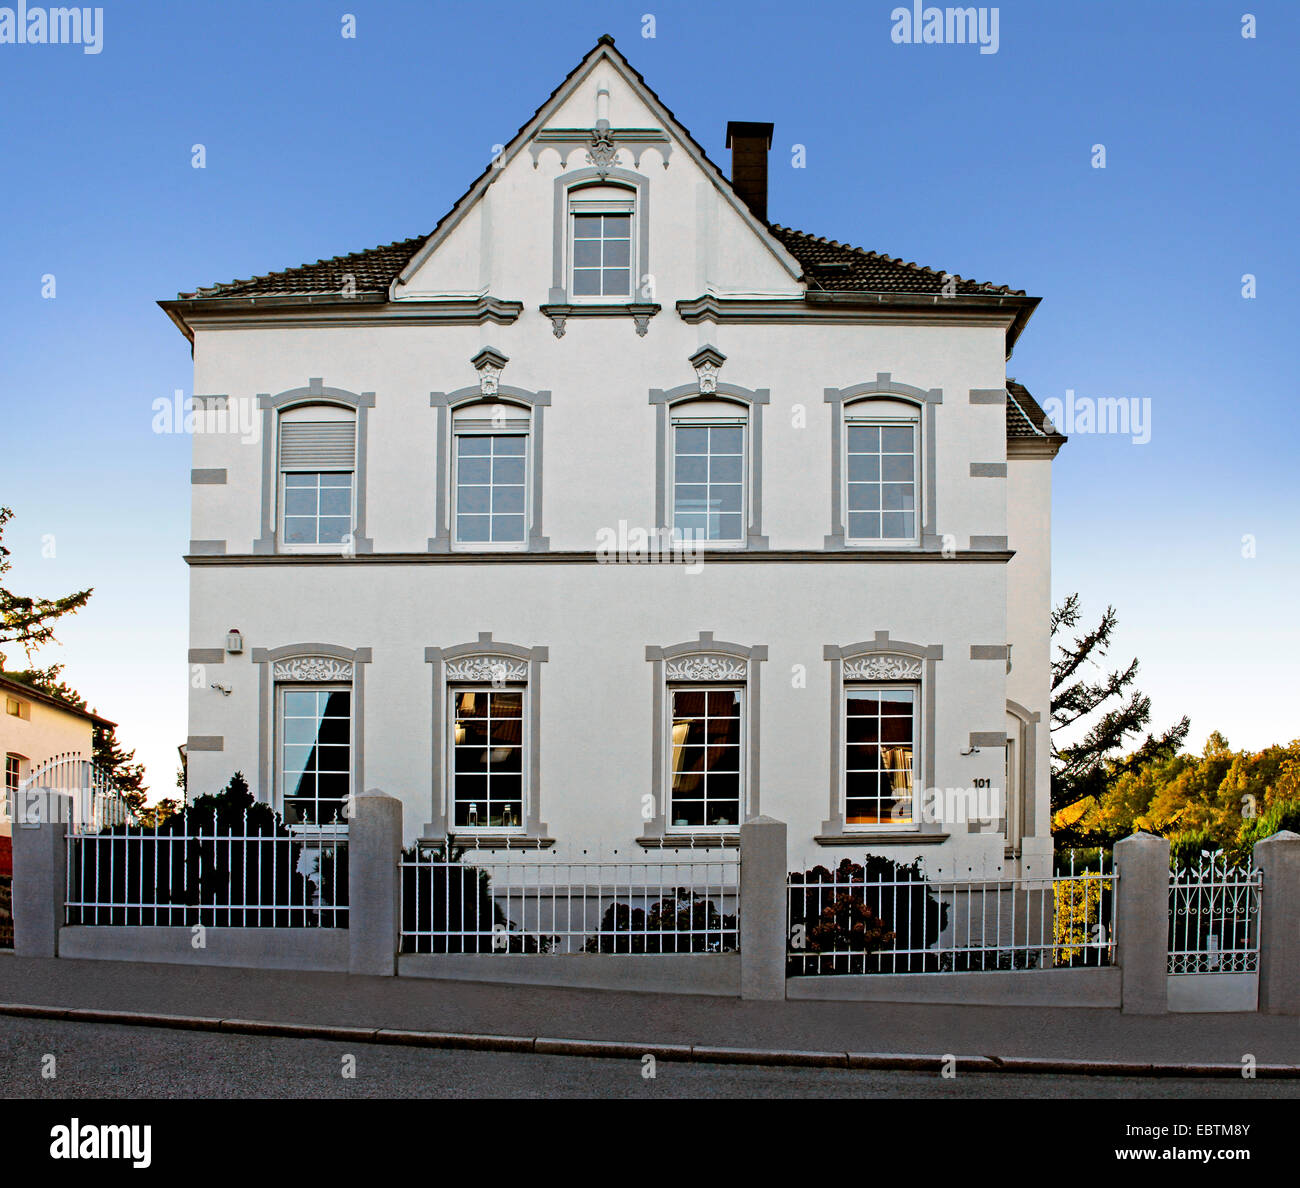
(96,1060)
(421,1004)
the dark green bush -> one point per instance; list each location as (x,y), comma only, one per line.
(681,922)
(851,913)
(448,907)
(219,881)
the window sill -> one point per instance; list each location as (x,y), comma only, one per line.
(489,841)
(690,841)
(891,836)
(640,312)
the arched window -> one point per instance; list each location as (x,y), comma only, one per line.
(882,471)
(317,465)
(490,461)
(601,243)
(710,471)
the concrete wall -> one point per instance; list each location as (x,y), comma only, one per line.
(668,973)
(1045,987)
(258,948)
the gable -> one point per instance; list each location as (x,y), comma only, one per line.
(503,237)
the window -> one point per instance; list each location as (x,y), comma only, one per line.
(880,730)
(487,768)
(600,253)
(15,708)
(881,473)
(490,478)
(13,778)
(707,756)
(317,468)
(709,471)
(315,753)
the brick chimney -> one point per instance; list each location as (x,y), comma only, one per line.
(749,144)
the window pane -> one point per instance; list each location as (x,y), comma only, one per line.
(896,467)
(864,439)
(473,529)
(618,226)
(507,470)
(474,499)
(692,468)
(334,530)
(618,253)
(336,501)
(507,529)
(692,439)
(586,226)
(513,444)
(508,499)
(474,470)
(728,468)
(616,282)
(726,439)
(586,253)
(864,525)
(864,468)
(896,440)
(299,502)
(586,282)
(473,445)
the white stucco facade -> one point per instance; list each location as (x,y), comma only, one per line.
(963,608)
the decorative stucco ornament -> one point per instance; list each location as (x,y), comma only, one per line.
(489,363)
(883,668)
(603,153)
(706,668)
(313,668)
(495,669)
(707,362)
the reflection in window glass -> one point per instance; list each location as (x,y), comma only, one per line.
(706,756)
(487,757)
(879,735)
(315,753)
(881,482)
(709,481)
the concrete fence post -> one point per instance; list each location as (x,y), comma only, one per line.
(1142,923)
(374,883)
(762,909)
(40,851)
(1279,924)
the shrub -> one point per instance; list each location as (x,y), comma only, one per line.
(202,866)
(681,922)
(851,913)
(449,908)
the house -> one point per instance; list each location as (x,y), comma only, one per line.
(43,738)
(610,513)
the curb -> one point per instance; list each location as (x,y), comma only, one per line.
(627,1050)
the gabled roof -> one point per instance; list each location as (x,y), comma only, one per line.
(838,267)
(1025,417)
(827,265)
(10,684)
(371,271)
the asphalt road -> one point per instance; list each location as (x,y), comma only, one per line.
(103,1061)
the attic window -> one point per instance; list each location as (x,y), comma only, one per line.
(600,243)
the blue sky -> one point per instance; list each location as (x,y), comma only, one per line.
(980,164)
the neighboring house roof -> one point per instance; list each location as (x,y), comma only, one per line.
(22,689)
(1025,417)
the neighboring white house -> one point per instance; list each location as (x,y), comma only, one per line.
(42,737)
(423,542)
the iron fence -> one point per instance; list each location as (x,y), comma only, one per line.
(855,920)
(1214,909)
(191,871)
(459,904)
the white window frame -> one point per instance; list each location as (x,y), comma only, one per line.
(488,546)
(281,688)
(674,687)
(870,414)
(311,412)
(679,417)
(453,688)
(606,204)
(13,782)
(849,688)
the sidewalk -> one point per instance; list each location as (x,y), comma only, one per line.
(645,1022)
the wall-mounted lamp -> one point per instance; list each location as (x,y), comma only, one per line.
(222,689)
(234,641)
(971,751)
